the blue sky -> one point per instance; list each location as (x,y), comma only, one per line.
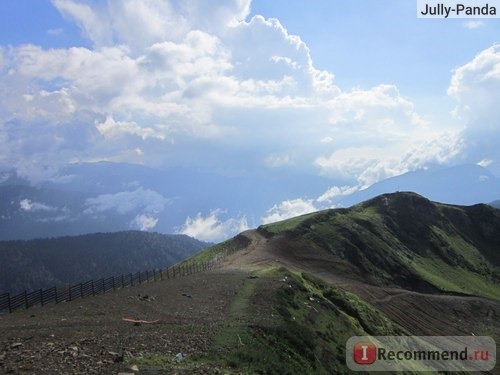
(357,91)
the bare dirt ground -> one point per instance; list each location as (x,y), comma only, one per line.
(88,336)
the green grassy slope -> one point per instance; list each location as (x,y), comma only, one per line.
(407,240)
(282,322)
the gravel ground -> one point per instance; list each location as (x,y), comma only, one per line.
(89,336)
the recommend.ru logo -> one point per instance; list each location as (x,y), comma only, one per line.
(421,353)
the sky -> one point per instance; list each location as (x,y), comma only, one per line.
(358,90)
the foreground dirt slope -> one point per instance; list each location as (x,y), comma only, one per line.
(89,336)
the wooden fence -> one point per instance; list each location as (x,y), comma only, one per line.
(43,297)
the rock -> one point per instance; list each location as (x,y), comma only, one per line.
(74,348)
(179,357)
(16,345)
(134,368)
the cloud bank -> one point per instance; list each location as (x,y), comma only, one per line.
(165,75)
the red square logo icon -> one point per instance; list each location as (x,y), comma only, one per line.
(365,353)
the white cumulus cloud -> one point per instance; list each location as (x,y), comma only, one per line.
(212,228)
(288,209)
(475,87)
(165,76)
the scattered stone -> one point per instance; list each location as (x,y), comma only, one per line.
(179,357)
(252,277)
(74,348)
(134,368)
(187,295)
(16,345)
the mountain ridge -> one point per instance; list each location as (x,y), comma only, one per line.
(406,232)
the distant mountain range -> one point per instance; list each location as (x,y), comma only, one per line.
(44,263)
(108,197)
(465,185)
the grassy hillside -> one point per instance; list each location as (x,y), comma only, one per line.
(410,241)
(44,263)
(400,239)
(283,322)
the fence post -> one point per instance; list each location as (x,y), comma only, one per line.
(81,290)
(114,288)
(161,274)
(25,300)
(123,281)
(103,287)
(8,300)
(131,280)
